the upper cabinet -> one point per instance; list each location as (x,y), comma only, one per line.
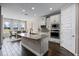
(48,25)
(55,19)
(43,21)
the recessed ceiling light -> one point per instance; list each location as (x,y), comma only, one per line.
(23,10)
(50,9)
(33,8)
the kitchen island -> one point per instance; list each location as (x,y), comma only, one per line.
(36,43)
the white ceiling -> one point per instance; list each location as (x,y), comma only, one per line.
(14,10)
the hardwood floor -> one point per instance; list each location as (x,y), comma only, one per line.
(56,50)
(14,48)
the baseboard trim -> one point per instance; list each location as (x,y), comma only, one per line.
(68,50)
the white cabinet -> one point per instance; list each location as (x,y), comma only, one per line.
(55,28)
(48,24)
(43,21)
(55,19)
(68,19)
(39,45)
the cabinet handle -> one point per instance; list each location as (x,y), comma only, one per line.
(73,35)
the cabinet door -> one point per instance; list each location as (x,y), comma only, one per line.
(68,28)
(48,24)
(55,19)
(43,21)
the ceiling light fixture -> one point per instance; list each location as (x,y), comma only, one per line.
(50,9)
(33,8)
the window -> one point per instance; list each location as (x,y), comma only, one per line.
(6,25)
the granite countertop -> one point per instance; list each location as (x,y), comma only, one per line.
(35,36)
